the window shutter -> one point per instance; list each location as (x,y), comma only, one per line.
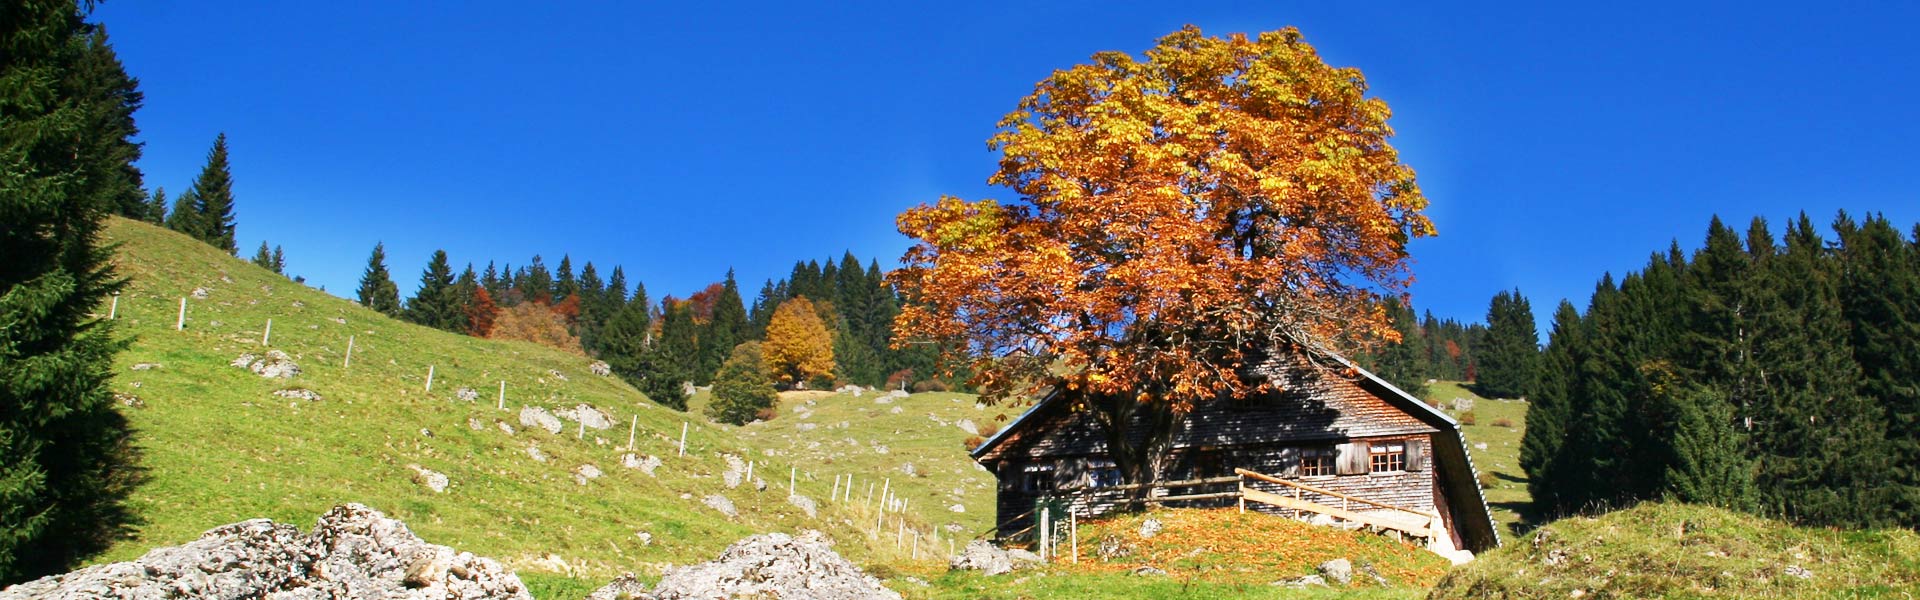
(1416,455)
(1352,459)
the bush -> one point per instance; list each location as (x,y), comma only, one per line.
(1503,422)
(742,388)
(1487,480)
(974,442)
(537,323)
(989,429)
(900,379)
(929,385)
(1467,418)
(766,414)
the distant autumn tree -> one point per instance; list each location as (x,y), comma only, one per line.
(1178,217)
(481,312)
(798,348)
(534,322)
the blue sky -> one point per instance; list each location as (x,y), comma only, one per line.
(1556,141)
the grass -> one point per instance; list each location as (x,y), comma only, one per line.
(1673,550)
(1507,497)
(220,447)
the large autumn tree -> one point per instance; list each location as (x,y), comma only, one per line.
(1178,218)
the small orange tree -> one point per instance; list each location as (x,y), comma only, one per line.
(798,348)
(1180,217)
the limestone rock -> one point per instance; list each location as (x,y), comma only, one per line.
(275,364)
(1148,571)
(645,465)
(298,394)
(805,504)
(624,587)
(145,366)
(200,293)
(601,368)
(958,508)
(432,480)
(466,393)
(774,565)
(504,427)
(1338,570)
(584,473)
(585,414)
(722,504)
(535,453)
(534,416)
(354,552)
(968,426)
(983,556)
(1149,528)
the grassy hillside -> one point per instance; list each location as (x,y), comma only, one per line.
(222,447)
(1499,424)
(1670,550)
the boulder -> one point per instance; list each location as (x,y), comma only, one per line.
(467,394)
(432,480)
(968,426)
(722,504)
(774,565)
(298,394)
(534,416)
(645,464)
(805,504)
(535,453)
(983,556)
(1461,404)
(200,293)
(145,366)
(1149,571)
(585,414)
(601,368)
(1149,528)
(275,365)
(585,473)
(624,587)
(1338,570)
(354,552)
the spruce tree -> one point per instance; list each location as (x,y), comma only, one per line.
(534,282)
(594,310)
(1549,408)
(377,290)
(762,312)
(66,457)
(1509,361)
(157,208)
(185,216)
(1880,292)
(436,305)
(491,280)
(725,330)
(264,256)
(213,199)
(679,334)
(564,285)
(107,98)
(623,342)
(279,260)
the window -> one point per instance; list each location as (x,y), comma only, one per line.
(1387,457)
(1316,462)
(1037,479)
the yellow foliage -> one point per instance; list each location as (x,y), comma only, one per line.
(537,323)
(798,347)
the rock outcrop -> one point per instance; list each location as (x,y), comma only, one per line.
(275,365)
(532,417)
(982,555)
(774,565)
(354,552)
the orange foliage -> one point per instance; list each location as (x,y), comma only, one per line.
(568,309)
(535,322)
(1177,215)
(701,303)
(480,313)
(798,348)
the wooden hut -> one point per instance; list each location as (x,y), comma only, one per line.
(1324,446)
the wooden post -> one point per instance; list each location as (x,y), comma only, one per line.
(582,434)
(916,544)
(1073,525)
(429,379)
(749,470)
(268,334)
(1242,485)
(683,438)
(836,489)
(636,424)
(883,494)
(869,495)
(902,540)
(791,471)
(847,496)
(114,311)
(349,361)
(876,525)
(503,402)
(181,323)
(1046,530)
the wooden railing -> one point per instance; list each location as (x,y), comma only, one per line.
(1415,522)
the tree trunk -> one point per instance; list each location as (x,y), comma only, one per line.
(1139,437)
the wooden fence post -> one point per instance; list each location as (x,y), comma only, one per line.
(791,471)
(348,363)
(429,379)
(883,494)
(1073,525)
(635,424)
(181,323)
(749,472)
(114,311)
(503,397)
(1046,531)
(683,438)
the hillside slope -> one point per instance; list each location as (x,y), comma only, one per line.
(221,447)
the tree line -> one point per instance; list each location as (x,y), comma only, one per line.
(822,326)
(1772,375)
(1429,348)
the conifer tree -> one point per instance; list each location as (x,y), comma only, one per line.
(1708,464)
(157,208)
(623,342)
(491,280)
(106,98)
(66,457)
(185,216)
(594,310)
(534,282)
(762,312)
(1549,407)
(213,199)
(264,256)
(1880,291)
(725,330)
(679,339)
(377,290)
(564,285)
(1509,361)
(742,387)
(464,287)
(279,262)
(436,304)
(1401,363)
